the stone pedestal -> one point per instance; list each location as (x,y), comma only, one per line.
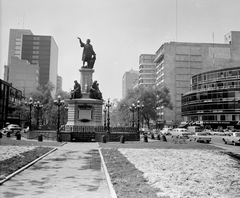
(84,112)
(86,80)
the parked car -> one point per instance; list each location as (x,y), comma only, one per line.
(11,128)
(200,137)
(234,139)
(217,133)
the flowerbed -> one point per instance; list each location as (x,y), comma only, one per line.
(187,173)
(166,170)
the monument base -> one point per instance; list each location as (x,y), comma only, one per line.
(84,112)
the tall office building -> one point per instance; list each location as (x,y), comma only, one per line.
(37,50)
(128,80)
(177,62)
(15,43)
(147,70)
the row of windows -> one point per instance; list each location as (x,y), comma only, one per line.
(215,75)
(147,81)
(220,117)
(35,52)
(35,57)
(147,66)
(35,62)
(218,85)
(210,107)
(208,95)
(147,76)
(146,71)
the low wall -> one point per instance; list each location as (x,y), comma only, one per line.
(115,137)
(130,135)
(47,135)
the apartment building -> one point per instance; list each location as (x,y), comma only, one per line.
(147,70)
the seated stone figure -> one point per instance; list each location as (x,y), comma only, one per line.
(76,92)
(95,92)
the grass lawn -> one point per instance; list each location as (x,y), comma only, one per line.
(137,169)
(14,154)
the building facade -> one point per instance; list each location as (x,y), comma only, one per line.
(177,62)
(9,98)
(23,75)
(214,99)
(37,50)
(147,70)
(128,80)
(59,83)
(15,43)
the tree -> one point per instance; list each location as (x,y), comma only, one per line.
(151,98)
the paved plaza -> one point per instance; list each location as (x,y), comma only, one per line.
(73,170)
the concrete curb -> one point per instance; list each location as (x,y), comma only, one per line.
(110,186)
(28,165)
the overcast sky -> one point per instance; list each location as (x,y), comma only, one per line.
(120,31)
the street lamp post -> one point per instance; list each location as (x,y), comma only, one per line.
(65,115)
(132,109)
(108,105)
(30,104)
(58,103)
(138,110)
(105,116)
(37,106)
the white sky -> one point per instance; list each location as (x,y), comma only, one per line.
(120,31)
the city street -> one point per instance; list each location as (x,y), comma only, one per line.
(217,141)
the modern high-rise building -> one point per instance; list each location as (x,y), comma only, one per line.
(147,70)
(128,80)
(37,50)
(177,62)
(15,43)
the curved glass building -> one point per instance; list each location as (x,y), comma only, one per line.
(214,99)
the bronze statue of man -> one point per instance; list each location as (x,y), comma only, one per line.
(88,55)
(76,92)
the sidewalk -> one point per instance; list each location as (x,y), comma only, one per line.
(73,171)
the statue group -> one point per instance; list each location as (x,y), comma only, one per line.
(95,93)
(89,57)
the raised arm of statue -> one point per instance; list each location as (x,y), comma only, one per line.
(81,43)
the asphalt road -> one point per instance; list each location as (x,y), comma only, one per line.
(217,141)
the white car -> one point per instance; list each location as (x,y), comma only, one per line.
(234,139)
(180,132)
(11,128)
(200,137)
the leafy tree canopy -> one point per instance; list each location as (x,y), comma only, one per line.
(150,98)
